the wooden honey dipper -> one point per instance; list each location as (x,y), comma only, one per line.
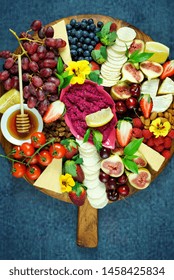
(22,119)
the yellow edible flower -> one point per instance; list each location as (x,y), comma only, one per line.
(66,182)
(158,128)
(80,69)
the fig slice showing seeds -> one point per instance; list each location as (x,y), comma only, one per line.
(141,180)
(120,91)
(131,74)
(113,166)
(151,70)
(140,160)
(137,44)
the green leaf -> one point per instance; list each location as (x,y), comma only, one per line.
(79,160)
(60,66)
(132,147)
(94,76)
(103,52)
(65,74)
(67,81)
(70,167)
(137,57)
(86,136)
(130,165)
(105,29)
(97,139)
(130,157)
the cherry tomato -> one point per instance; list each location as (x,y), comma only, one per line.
(57,150)
(18,170)
(16,152)
(38,139)
(33,160)
(28,149)
(44,157)
(33,172)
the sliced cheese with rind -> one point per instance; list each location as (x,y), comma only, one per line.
(126,33)
(60,32)
(49,178)
(154,159)
(167,86)
(161,103)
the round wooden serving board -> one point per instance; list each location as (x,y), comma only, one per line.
(87,225)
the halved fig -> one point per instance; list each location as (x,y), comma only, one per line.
(120,91)
(113,166)
(137,44)
(141,180)
(140,160)
(131,74)
(151,69)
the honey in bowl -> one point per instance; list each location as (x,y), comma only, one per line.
(11,125)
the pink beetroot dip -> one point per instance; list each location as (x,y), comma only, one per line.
(82,100)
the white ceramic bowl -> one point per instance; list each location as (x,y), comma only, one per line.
(4,120)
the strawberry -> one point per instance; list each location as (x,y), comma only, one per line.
(113,27)
(54,111)
(146,105)
(94,66)
(71,147)
(123,132)
(78,194)
(97,47)
(75,170)
(168,69)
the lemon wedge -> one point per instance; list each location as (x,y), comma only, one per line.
(99,118)
(9,99)
(161,52)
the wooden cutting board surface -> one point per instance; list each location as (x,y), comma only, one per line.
(87,225)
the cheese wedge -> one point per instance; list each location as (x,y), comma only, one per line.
(60,32)
(154,159)
(49,178)
(150,87)
(167,86)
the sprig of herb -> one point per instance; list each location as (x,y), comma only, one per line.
(62,75)
(138,57)
(129,154)
(97,138)
(106,36)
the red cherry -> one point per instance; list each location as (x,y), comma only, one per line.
(122,179)
(120,107)
(135,90)
(123,190)
(131,103)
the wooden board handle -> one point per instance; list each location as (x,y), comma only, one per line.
(87,226)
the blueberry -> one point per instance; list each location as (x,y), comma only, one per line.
(90,20)
(82,39)
(81,58)
(87,41)
(74,41)
(70,38)
(90,48)
(93,43)
(73,47)
(96,39)
(97,29)
(84,20)
(72,22)
(91,35)
(85,33)
(79,44)
(83,25)
(69,32)
(80,51)
(88,27)
(73,32)
(100,24)
(77,25)
(68,27)
(92,27)
(78,34)
(73,52)
(86,53)
(90,59)
(84,46)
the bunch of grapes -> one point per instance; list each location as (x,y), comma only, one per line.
(39,62)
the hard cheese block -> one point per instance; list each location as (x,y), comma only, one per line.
(49,178)
(60,32)
(154,159)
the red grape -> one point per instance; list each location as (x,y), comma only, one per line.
(41,33)
(8,84)
(40,95)
(36,25)
(31,102)
(25,63)
(41,51)
(5,54)
(26,92)
(46,72)
(32,89)
(49,32)
(51,63)
(4,75)
(35,57)
(34,67)
(37,81)
(54,80)
(9,63)
(49,87)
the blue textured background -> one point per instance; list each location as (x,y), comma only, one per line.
(35,226)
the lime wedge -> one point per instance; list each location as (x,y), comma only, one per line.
(99,118)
